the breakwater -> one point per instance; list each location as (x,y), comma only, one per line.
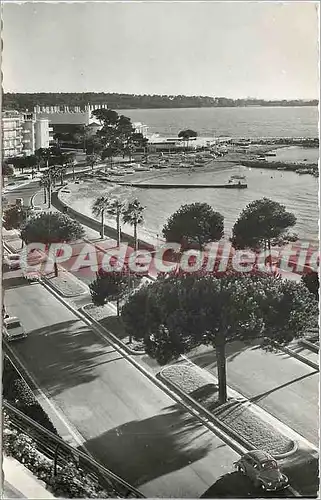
(179,186)
(275,165)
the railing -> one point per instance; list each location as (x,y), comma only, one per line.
(62,453)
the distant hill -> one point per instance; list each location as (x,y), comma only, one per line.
(133,101)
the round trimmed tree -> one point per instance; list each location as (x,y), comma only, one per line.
(262,223)
(194,225)
(49,228)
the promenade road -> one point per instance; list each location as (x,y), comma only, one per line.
(282,385)
(126,422)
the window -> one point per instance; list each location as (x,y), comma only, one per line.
(269,464)
(15,324)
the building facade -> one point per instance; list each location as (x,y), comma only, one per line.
(23,133)
(68,115)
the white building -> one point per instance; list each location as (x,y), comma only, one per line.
(140,128)
(23,133)
(68,115)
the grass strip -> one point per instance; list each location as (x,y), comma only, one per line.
(66,285)
(237,415)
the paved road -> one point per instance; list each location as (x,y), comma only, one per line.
(127,422)
(282,385)
(24,192)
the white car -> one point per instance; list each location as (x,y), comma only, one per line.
(12,261)
(13,329)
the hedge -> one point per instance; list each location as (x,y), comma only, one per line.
(70,481)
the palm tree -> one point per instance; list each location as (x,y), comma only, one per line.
(133,215)
(46,182)
(116,208)
(99,208)
(92,159)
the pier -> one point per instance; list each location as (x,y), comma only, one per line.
(180,186)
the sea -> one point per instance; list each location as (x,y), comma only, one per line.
(299,193)
(230,122)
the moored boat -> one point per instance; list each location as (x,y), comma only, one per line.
(237,182)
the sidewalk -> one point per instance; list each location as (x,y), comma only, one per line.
(19,482)
(38,201)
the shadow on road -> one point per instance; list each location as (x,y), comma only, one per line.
(208,359)
(257,398)
(64,355)
(302,470)
(142,450)
(236,485)
(13,279)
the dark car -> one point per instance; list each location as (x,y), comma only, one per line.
(263,470)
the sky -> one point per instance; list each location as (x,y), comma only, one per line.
(265,50)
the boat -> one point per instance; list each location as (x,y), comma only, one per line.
(237,182)
(281,168)
(301,171)
(237,177)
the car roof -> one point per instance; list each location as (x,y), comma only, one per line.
(259,455)
(12,319)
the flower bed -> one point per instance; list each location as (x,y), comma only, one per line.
(66,285)
(237,415)
(114,324)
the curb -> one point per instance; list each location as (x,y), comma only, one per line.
(225,428)
(239,449)
(109,333)
(299,357)
(310,345)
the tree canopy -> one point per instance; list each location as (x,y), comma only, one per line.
(15,216)
(312,282)
(51,227)
(7,170)
(172,316)
(23,101)
(187,134)
(194,225)
(262,223)
(112,286)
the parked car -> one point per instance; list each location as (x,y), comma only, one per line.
(13,329)
(12,261)
(262,469)
(32,277)
(36,210)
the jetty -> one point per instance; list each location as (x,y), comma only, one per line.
(180,186)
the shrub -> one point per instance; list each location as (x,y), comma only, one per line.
(19,394)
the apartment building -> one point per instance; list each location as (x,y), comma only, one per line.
(23,133)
